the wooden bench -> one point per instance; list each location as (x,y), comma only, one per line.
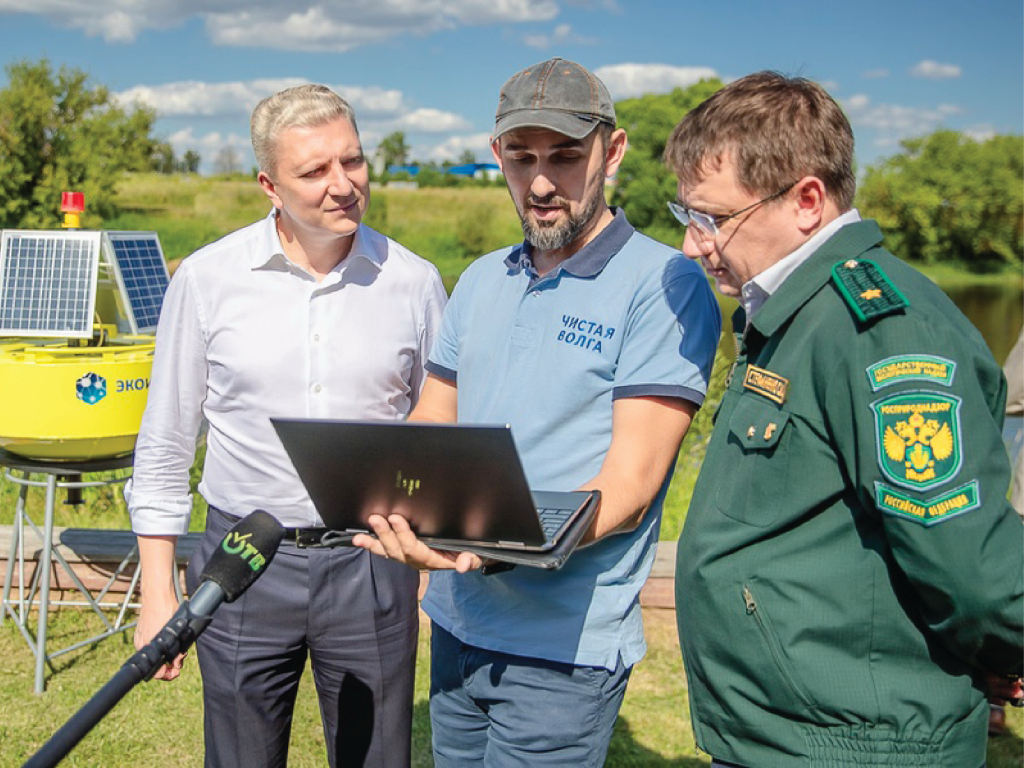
(95,555)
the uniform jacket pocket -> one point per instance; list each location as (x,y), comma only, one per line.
(757,462)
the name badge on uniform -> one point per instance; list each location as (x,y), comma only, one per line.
(766,383)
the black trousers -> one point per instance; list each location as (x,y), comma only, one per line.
(354,614)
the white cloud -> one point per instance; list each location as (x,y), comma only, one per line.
(608,5)
(857,102)
(430,120)
(114,27)
(893,122)
(933,70)
(189,98)
(876,73)
(489,11)
(379,111)
(453,147)
(307,25)
(629,80)
(213,140)
(560,35)
(210,144)
(118,21)
(184,138)
(980,132)
(312,29)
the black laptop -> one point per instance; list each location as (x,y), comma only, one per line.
(460,486)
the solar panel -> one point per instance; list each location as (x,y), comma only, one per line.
(141,274)
(48,283)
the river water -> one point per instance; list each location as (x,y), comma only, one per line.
(997,311)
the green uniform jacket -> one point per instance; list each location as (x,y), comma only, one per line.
(849,563)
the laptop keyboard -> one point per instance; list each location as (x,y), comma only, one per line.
(552,520)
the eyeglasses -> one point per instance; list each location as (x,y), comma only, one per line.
(708,223)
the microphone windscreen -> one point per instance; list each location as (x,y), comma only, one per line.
(244,553)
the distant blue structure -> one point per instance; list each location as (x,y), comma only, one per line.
(469,170)
(412,170)
(474,170)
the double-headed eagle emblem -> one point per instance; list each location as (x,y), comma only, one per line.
(919,443)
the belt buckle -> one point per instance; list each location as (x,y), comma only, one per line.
(308,538)
(323,538)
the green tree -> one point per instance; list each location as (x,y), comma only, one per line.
(58,133)
(393,150)
(948,198)
(190,161)
(164,159)
(429,176)
(227,161)
(643,184)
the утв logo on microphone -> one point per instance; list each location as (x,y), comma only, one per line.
(236,543)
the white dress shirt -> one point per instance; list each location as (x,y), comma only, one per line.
(756,291)
(244,335)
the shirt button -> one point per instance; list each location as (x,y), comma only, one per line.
(316,389)
(316,337)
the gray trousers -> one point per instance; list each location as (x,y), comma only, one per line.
(354,614)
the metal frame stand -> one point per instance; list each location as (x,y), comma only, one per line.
(57,475)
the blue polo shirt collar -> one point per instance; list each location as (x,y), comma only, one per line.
(589,260)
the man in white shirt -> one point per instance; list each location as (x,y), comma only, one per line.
(307,313)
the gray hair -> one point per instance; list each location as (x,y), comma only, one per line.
(301,106)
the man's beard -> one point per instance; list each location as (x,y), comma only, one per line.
(550,237)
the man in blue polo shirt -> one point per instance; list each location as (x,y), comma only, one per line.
(595,343)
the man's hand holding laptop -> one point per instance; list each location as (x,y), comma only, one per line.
(395,540)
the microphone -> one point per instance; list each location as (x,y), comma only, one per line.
(238,561)
(240,558)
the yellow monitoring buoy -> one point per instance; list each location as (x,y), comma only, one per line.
(86,402)
(78,310)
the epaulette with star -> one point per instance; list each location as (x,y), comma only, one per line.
(866,289)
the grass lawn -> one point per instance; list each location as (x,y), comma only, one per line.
(161,723)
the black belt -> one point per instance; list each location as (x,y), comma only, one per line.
(318,538)
(303,537)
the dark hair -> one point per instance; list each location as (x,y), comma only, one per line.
(778,129)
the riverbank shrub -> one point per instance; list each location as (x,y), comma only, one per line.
(949,199)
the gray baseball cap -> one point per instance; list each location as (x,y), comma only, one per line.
(556,94)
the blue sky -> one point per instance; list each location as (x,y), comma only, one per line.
(433,68)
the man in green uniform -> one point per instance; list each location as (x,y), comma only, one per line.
(849,579)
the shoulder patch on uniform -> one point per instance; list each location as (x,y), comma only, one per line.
(892,370)
(918,438)
(766,383)
(867,290)
(928,512)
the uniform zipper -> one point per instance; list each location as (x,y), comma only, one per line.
(773,647)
